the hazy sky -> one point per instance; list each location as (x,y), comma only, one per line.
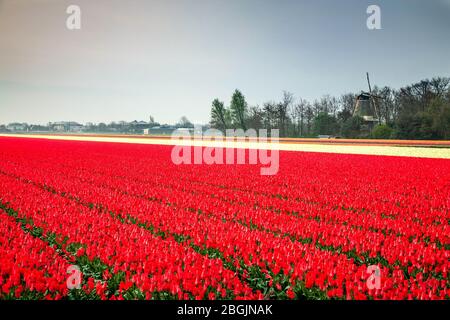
(168,58)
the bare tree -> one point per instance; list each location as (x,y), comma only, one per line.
(255,118)
(309,116)
(316,108)
(270,114)
(348,102)
(299,114)
(283,111)
(440,86)
(385,99)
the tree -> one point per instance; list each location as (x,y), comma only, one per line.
(439,112)
(325,124)
(440,86)
(255,118)
(382,131)
(238,110)
(299,115)
(220,117)
(317,108)
(309,116)
(348,102)
(385,104)
(282,110)
(351,128)
(270,115)
(418,111)
(442,123)
(414,126)
(328,104)
(184,123)
(102,127)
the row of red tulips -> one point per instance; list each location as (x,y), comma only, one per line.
(418,258)
(149,262)
(292,240)
(29,268)
(368,245)
(426,224)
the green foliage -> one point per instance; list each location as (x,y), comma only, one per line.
(255,118)
(440,117)
(382,131)
(220,116)
(415,126)
(184,123)
(325,124)
(238,110)
(418,111)
(351,128)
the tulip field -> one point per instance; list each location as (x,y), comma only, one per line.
(140,227)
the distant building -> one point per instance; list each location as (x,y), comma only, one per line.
(66,126)
(57,126)
(17,127)
(75,127)
(138,123)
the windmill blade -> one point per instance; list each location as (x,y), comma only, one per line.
(368,82)
(370,89)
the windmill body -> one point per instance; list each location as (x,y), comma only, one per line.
(366,108)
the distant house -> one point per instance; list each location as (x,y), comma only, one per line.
(17,127)
(75,127)
(66,126)
(57,126)
(138,124)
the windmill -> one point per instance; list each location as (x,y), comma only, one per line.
(367,106)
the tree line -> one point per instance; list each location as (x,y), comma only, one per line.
(418,111)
